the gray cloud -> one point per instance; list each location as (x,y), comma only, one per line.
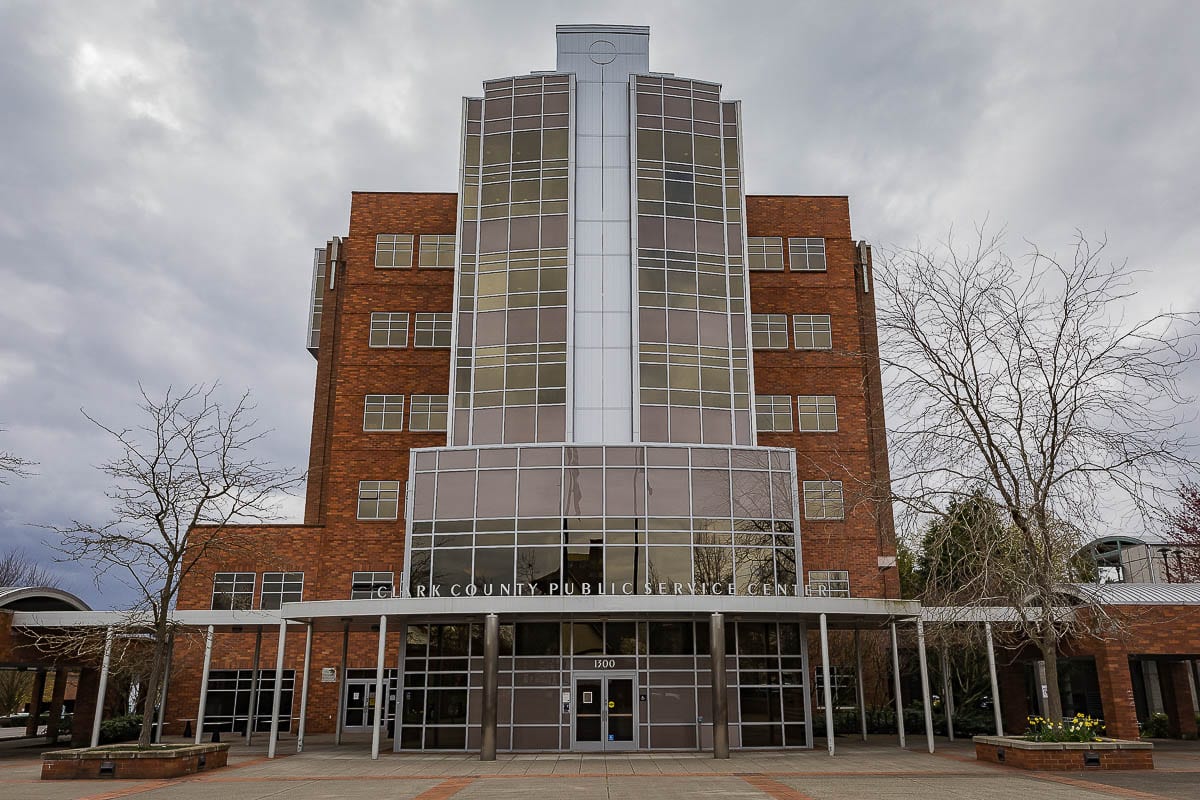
(167,168)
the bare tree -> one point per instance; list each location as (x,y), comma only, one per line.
(190,463)
(1025,383)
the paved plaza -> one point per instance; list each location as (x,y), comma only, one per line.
(877,769)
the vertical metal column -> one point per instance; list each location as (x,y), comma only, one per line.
(720,696)
(862,689)
(987,634)
(491,676)
(253,711)
(304,690)
(896,684)
(947,694)
(277,693)
(100,692)
(162,697)
(925,698)
(341,711)
(208,641)
(825,677)
(380,689)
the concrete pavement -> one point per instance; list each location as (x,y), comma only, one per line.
(877,769)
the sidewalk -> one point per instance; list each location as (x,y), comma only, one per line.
(876,769)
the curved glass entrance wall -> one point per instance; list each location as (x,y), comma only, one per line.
(560,519)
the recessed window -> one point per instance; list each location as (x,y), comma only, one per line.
(393,250)
(389,329)
(371,585)
(768,331)
(823,500)
(281,587)
(437,251)
(428,412)
(233,591)
(378,499)
(816,412)
(807,255)
(813,331)
(432,329)
(765,252)
(773,413)
(383,412)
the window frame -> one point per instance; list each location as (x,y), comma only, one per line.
(283,579)
(823,406)
(389,317)
(383,413)
(235,578)
(805,251)
(393,239)
(824,488)
(812,332)
(379,488)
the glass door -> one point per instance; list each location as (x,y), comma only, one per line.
(604,716)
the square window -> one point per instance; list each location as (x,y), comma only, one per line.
(823,500)
(281,587)
(807,255)
(393,250)
(383,412)
(768,331)
(378,499)
(428,412)
(437,251)
(389,329)
(817,412)
(372,585)
(773,413)
(233,591)
(813,331)
(764,253)
(433,329)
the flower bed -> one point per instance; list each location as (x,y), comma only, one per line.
(125,761)
(1051,756)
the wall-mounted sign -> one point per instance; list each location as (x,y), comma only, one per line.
(328,674)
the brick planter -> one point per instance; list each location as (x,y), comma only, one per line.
(1064,756)
(126,762)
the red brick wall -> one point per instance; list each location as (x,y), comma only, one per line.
(856,454)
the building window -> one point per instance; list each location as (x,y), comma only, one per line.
(389,329)
(432,330)
(807,255)
(437,251)
(371,585)
(817,412)
(383,412)
(428,412)
(768,331)
(765,252)
(393,250)
(378,499)
(281,587)
(773,413)
(813,331)
(828,583)
(823,500)
(233,591)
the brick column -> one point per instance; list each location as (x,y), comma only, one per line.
(35,702)
(85,707)
(1116,693)
(1177,697)
(56,703)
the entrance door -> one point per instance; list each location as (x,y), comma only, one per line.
(604,711)
(360,705)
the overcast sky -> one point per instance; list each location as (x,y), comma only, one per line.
(167,168)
